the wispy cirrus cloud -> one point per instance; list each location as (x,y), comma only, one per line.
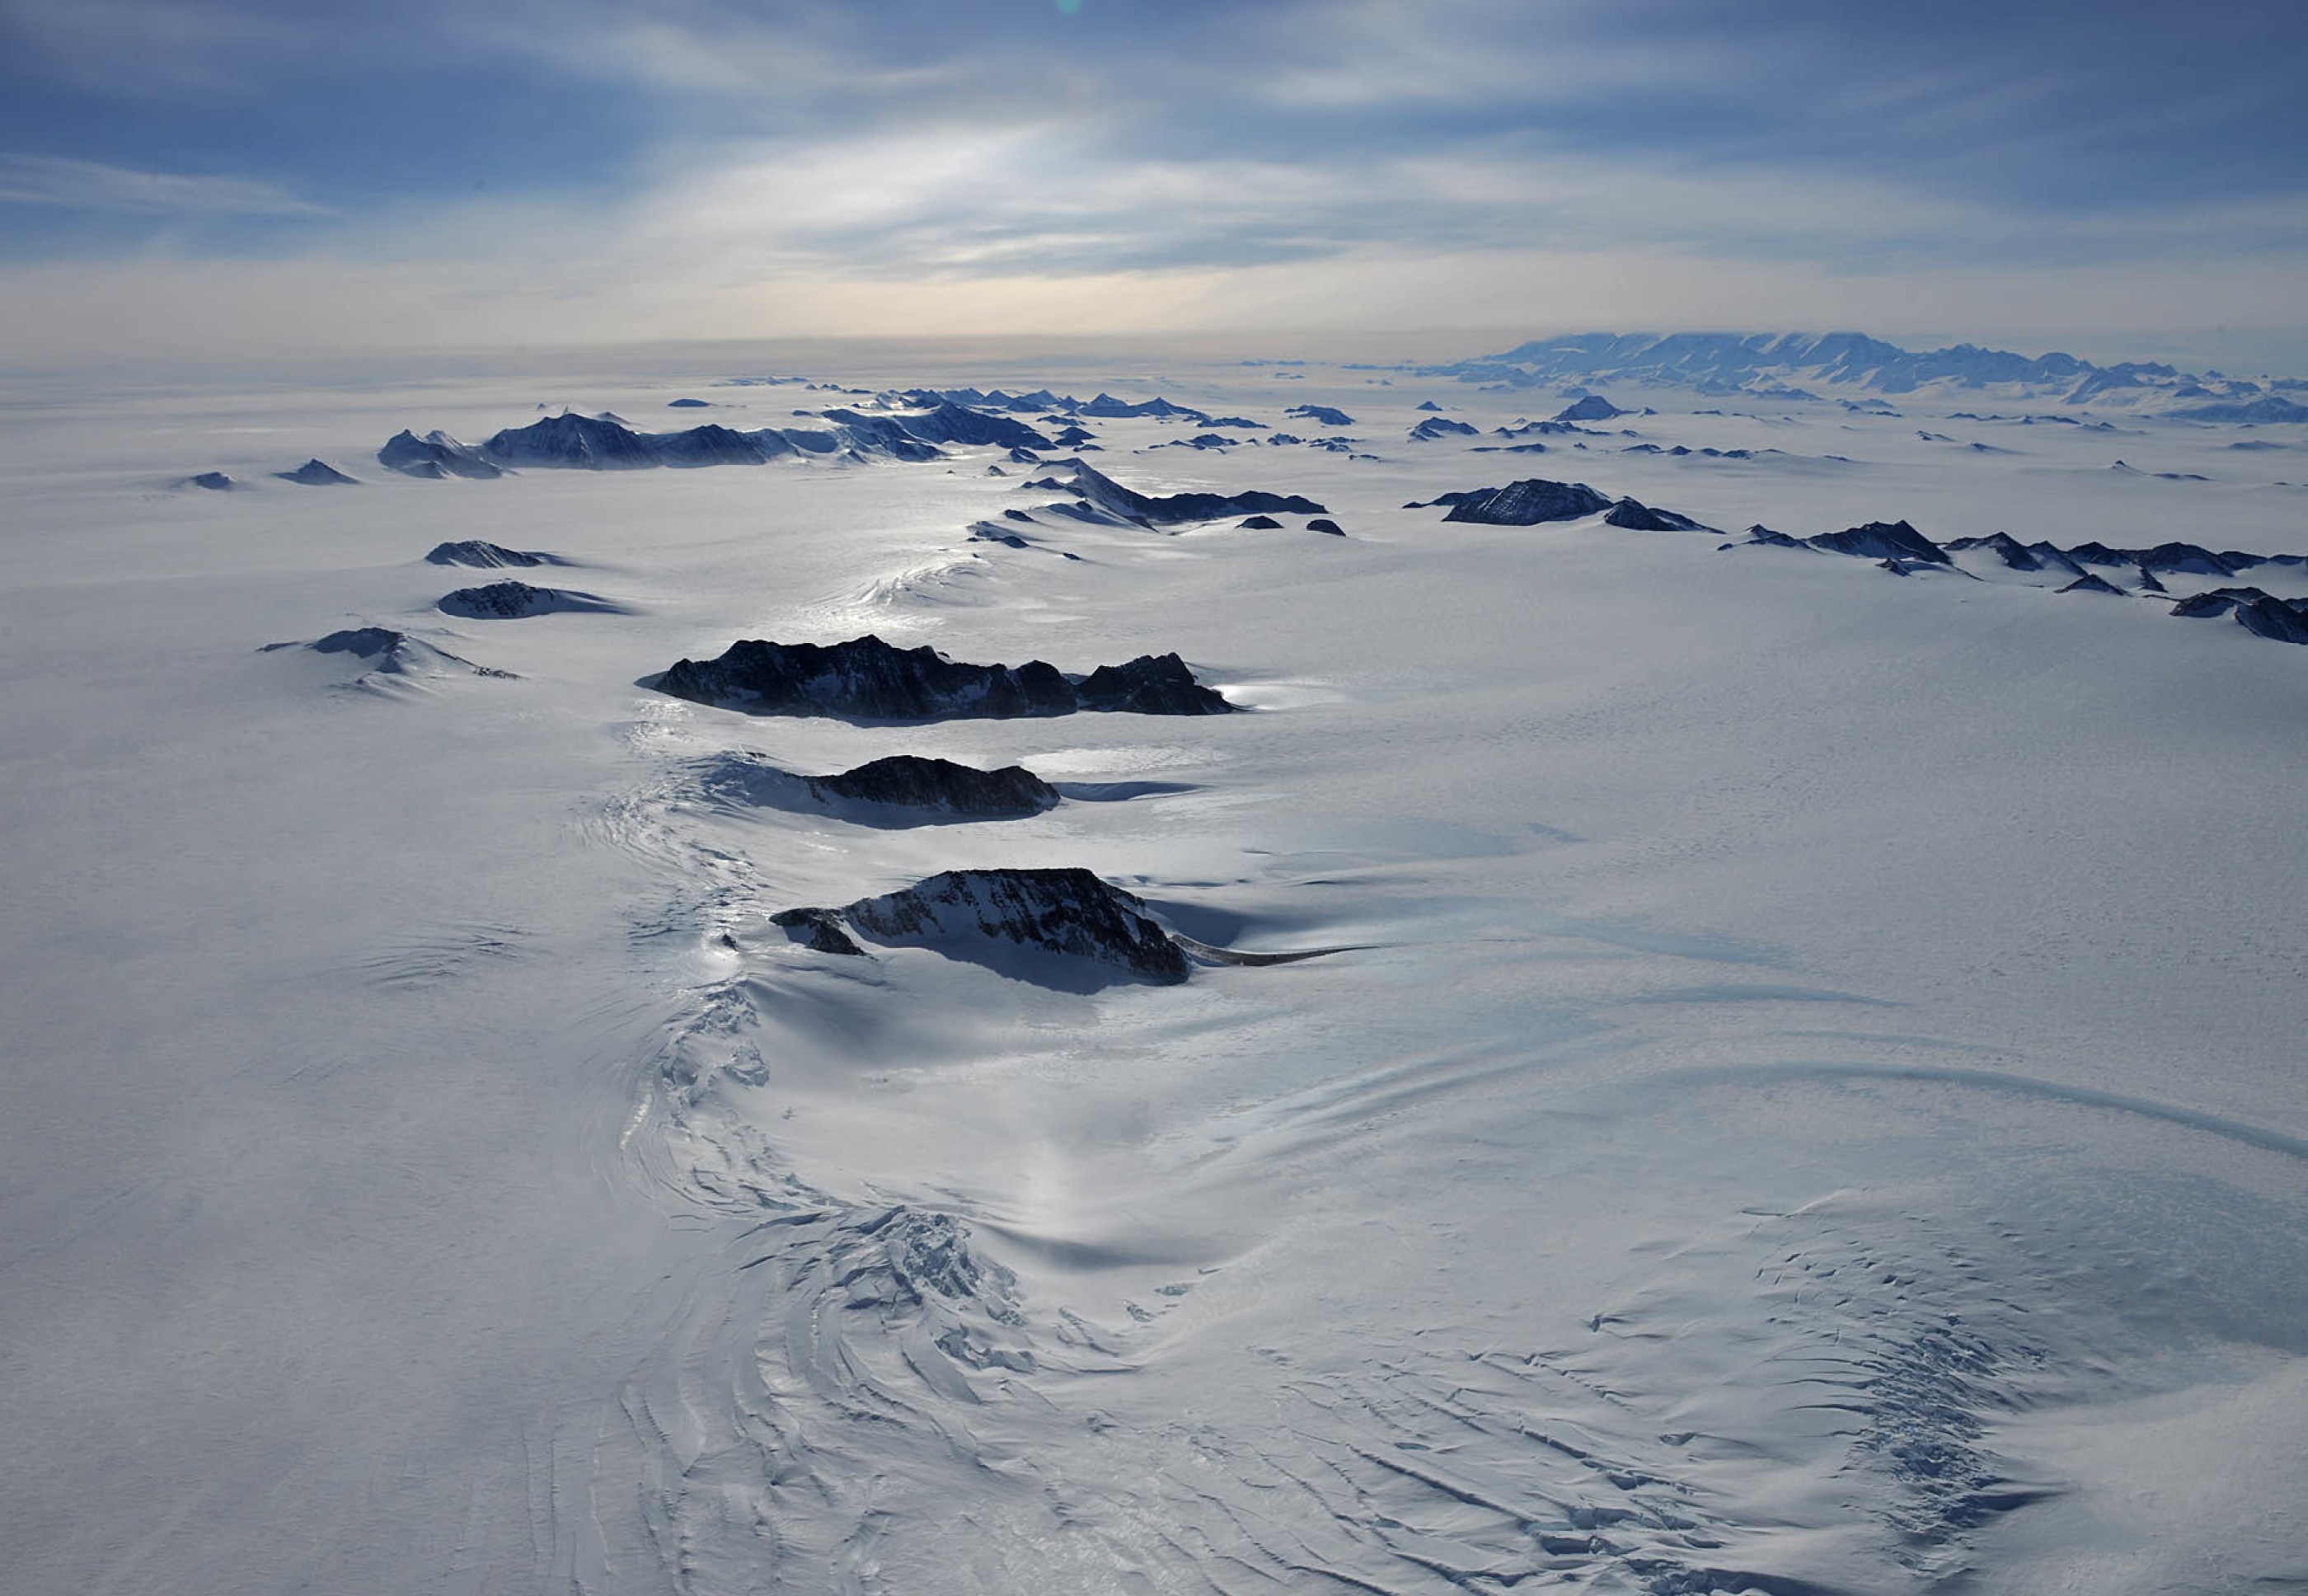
(76,185)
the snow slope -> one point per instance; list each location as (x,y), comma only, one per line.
(1806,1095)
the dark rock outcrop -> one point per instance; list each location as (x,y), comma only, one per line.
(317,473)
(1323,523)
(1883,541)
(1179,509)
(2264,615)
(2004,547)
(1527,503)
(2089,583)
(1636,516)
(1260,523)
(1150,684)
(866,679)
(1594,407)
(1320,414)
(436,455)
(512,601)
(981,915)
(214,481)
(818,929)
(1442,426)
(488,556)
(911,782)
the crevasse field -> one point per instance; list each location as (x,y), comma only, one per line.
(1807,1095)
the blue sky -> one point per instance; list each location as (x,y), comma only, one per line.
(585,169)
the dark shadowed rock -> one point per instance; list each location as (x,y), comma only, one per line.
(713,444)
(435,455)
(585,443)
(1442,426)
(214,481)
(1527,503)
(1594,407)
(1179,509)
(1883,541)
(950,423)
(820,929)
(2004,547)
(688,404)
(989,916)
(1636,516)
(1323,523)
(919,783)
(1150,684)
(486,556)
(1260,523)
(2283,620)
(317,473)
(2089,583)
(1320,414)
(868,679)
(512,601)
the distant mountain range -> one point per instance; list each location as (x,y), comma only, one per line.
(1778,365)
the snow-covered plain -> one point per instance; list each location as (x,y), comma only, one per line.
(1813,1100)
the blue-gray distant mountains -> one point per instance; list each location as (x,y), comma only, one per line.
(571,440)
(1767,365)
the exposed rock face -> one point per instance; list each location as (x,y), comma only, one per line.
(488,556)
(1323,523)
(941,784)
(436,455)
(1883,541)
(1636,516)
(866,679)
(1068,912)
(584,442)
(2004,547)
(1260,523)
(1150,684)
(512,601)
(2089,583)
(2285,620)
(1442,426)
(214,481)
(950,422)
(1592,408)
(1320,414)
(1179,509)
(1527,503)
(317,473)
(818,929)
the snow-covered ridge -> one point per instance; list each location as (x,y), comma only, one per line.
(1769,365)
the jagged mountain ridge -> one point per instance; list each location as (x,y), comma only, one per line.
(1766,364)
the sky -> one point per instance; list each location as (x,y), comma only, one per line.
(207,176)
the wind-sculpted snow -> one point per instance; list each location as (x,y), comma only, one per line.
(512,601)
(382,657)
(1181,509)
(988,916)
(867,678)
